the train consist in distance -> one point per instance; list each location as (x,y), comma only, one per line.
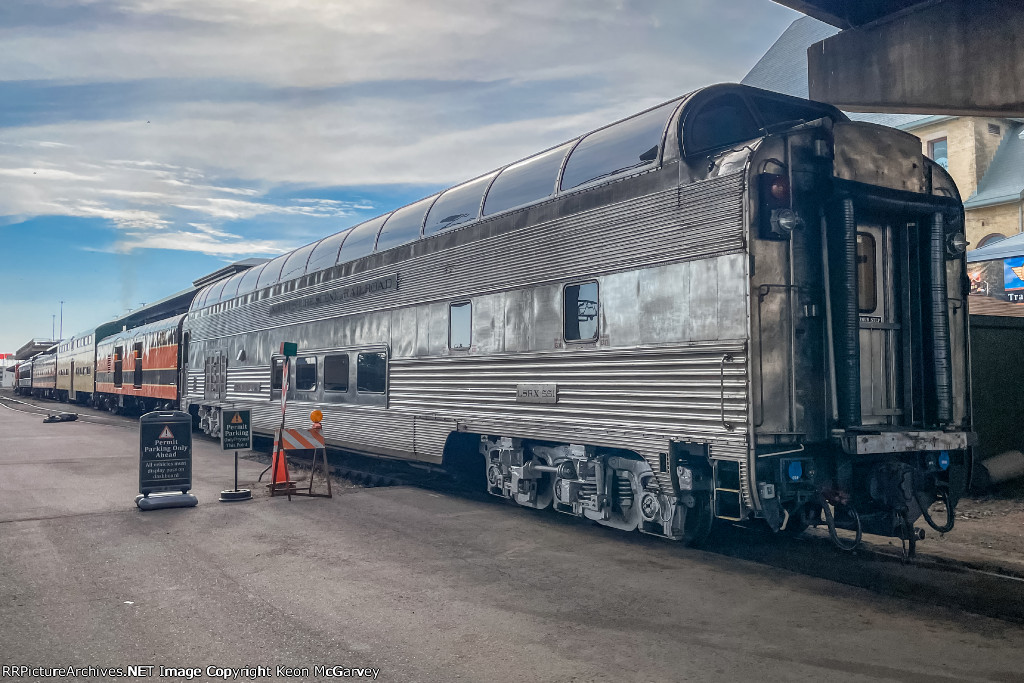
(735,305)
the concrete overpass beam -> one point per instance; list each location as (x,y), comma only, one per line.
(957,57)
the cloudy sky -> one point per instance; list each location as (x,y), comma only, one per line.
(146,143)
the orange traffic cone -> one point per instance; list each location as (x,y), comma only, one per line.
(279,470)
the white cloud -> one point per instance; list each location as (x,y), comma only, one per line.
(316,95)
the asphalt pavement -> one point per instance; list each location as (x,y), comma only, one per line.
(418,584)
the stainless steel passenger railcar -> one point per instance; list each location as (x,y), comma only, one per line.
(737,304)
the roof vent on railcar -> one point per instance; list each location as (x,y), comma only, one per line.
(325,253)
(361,239)
(458,205)
(249,279)
(628,145)
(404,225)
(527,181)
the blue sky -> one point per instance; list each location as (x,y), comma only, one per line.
(144,144)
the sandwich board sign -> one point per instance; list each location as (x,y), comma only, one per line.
(165,459)
(236,430)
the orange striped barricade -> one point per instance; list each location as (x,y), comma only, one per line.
(298,440)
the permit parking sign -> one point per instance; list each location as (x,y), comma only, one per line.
(165,452)
(236,430)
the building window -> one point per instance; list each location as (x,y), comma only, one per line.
(460,325)
(580,309)
(990,239)
(336,373)
(867,299)
(938,150)
(371,373)
(305,373)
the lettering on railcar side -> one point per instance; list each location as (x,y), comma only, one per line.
(536,393)
(388,283)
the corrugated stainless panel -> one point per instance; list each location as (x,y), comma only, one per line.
(638,398)
(690,222)
(248,383)
(195,386)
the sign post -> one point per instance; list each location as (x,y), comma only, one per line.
(165,460)
(236,435)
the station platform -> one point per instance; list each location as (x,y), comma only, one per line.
(416,584)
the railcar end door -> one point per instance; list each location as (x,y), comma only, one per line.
(880,325)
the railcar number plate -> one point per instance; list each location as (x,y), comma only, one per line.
(536,393)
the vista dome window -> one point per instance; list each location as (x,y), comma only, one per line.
(325,253)
(360,239)
(721,121)
(272,272)
(624,146)
(249,280)
(230,290)
(456,206)
(530,180)
(295,266)
(404,225)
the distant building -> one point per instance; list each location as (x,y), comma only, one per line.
(985,156)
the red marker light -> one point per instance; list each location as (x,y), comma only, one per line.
(780,189)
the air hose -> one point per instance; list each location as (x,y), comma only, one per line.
(940,494)
(831,521)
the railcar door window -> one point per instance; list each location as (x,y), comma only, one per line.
(371,373)
(275,377)
(460,325)
(118,365)
(305,373)
(336,373)
(867,299)
(138,365)
(580,309)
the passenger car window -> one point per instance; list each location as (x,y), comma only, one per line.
(404,225)
(528,181)
(460,325)
(336,373)
(623,146)
(458,205)
(371,372)
(580,309)
(867,299)
(361,239)
(305,373)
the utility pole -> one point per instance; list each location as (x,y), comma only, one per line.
(61,319)
(53,324)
